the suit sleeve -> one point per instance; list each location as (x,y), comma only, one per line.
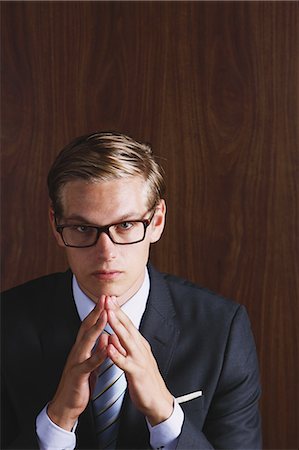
(233,419)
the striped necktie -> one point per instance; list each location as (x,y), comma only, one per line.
(107,400)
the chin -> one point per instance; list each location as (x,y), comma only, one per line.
(105,288)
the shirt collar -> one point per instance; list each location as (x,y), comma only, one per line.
(134,307)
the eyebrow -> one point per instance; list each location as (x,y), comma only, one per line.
(82,219)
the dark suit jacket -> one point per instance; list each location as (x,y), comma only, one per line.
(200,341)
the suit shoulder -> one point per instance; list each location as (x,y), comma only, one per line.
(185,291)
(32,290)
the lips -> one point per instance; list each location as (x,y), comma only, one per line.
(107,274)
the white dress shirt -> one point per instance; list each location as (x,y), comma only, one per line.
(164,435)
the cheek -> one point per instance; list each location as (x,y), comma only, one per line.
(136,256)
(142,255)
(77,259)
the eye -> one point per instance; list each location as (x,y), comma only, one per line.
(125,226)
(81,228)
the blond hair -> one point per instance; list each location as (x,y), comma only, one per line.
(104,156)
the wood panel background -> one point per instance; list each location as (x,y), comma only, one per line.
(214,87)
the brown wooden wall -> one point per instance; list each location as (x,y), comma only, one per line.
(214,87)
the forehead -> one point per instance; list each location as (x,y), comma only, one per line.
(105,200)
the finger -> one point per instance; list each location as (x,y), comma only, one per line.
(86,341)
(113,339)
(128,336)
(99,354)
(118,358)
(95,360)
(97,329)
(112,305)
(102,342)
(93,316)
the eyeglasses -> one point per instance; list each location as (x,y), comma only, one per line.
(123,233)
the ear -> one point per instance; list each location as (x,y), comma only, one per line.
(158,222)
(53,227)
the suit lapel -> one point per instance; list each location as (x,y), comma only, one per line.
(160,328)
(159,324)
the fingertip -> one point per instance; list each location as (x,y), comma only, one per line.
(103,340)
(116,357)
(111,302)
(114,341)
(99,305)
(114,300)
(112,352)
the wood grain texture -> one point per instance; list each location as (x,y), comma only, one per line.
(214,87)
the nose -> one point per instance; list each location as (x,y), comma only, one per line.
(105,247)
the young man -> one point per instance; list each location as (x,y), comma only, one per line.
(112,353)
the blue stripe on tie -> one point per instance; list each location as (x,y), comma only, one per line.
(107,398)
(109,416)
(107,381)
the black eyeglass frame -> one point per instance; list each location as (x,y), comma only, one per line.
(105,229)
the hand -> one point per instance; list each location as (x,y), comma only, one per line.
(73,392)
(130,351)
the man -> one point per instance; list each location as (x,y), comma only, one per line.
(184,357)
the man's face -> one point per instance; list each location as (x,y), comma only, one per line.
(108,268)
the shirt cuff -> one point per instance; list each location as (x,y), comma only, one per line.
(165,434)
(51,436)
